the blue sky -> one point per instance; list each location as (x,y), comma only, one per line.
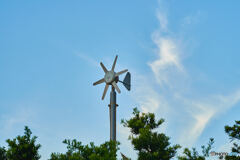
(183,56)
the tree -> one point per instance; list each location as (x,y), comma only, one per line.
(234,134)
(3,153)
(194,155)
(149,144)
(77,151)
(23,147)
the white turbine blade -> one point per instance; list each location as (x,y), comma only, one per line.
(119,73)
(116,87)
(105,91)
(103,67)
(114,63)
(99,82)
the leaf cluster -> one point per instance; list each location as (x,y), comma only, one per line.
(141,121)
(149,144)
(194,155)
(21,148)
(77,151)
(3,155)
(234,134)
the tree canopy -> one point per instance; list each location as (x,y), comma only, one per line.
(194,155)
(22,147)
(150,145)
(77,151)
(3,155)
(234,135)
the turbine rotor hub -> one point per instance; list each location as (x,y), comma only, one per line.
(109,77)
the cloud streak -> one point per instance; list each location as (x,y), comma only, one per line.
(168,92)
(88,59)
(167,99)
(168,59)
(22,115)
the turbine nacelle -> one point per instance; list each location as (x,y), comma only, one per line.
(110,78)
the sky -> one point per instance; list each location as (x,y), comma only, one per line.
(183,58)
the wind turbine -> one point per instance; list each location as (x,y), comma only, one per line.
(112,78)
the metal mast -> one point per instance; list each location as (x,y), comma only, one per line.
(112,112)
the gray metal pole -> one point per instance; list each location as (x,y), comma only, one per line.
(112,111)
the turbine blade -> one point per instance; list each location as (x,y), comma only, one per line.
(124,157)
(121,72)
(99,82)
(103,67)
(105,91)
(116,87)
(114,63)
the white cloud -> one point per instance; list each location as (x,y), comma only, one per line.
(159,92)
(88,59)
(148,98)
(168,59)
(168,64)
(199,116)
(166,99)
(192,19)
(201,111)
(162,21)
(21,117)
(169,71)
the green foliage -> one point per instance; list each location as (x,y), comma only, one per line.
(206,150)
(234,134)
(232,158)
(194,155)
(149,144)
(141,121)
(234,131)
(77,151)
(23,147)
(191,155)
(3,155)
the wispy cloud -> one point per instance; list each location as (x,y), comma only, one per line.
(163,21)
(149,98)
(87,59)
(192,115)
(192,19)
(203,110)
(168,60)
(169,93)
(168,70)
(21,117)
